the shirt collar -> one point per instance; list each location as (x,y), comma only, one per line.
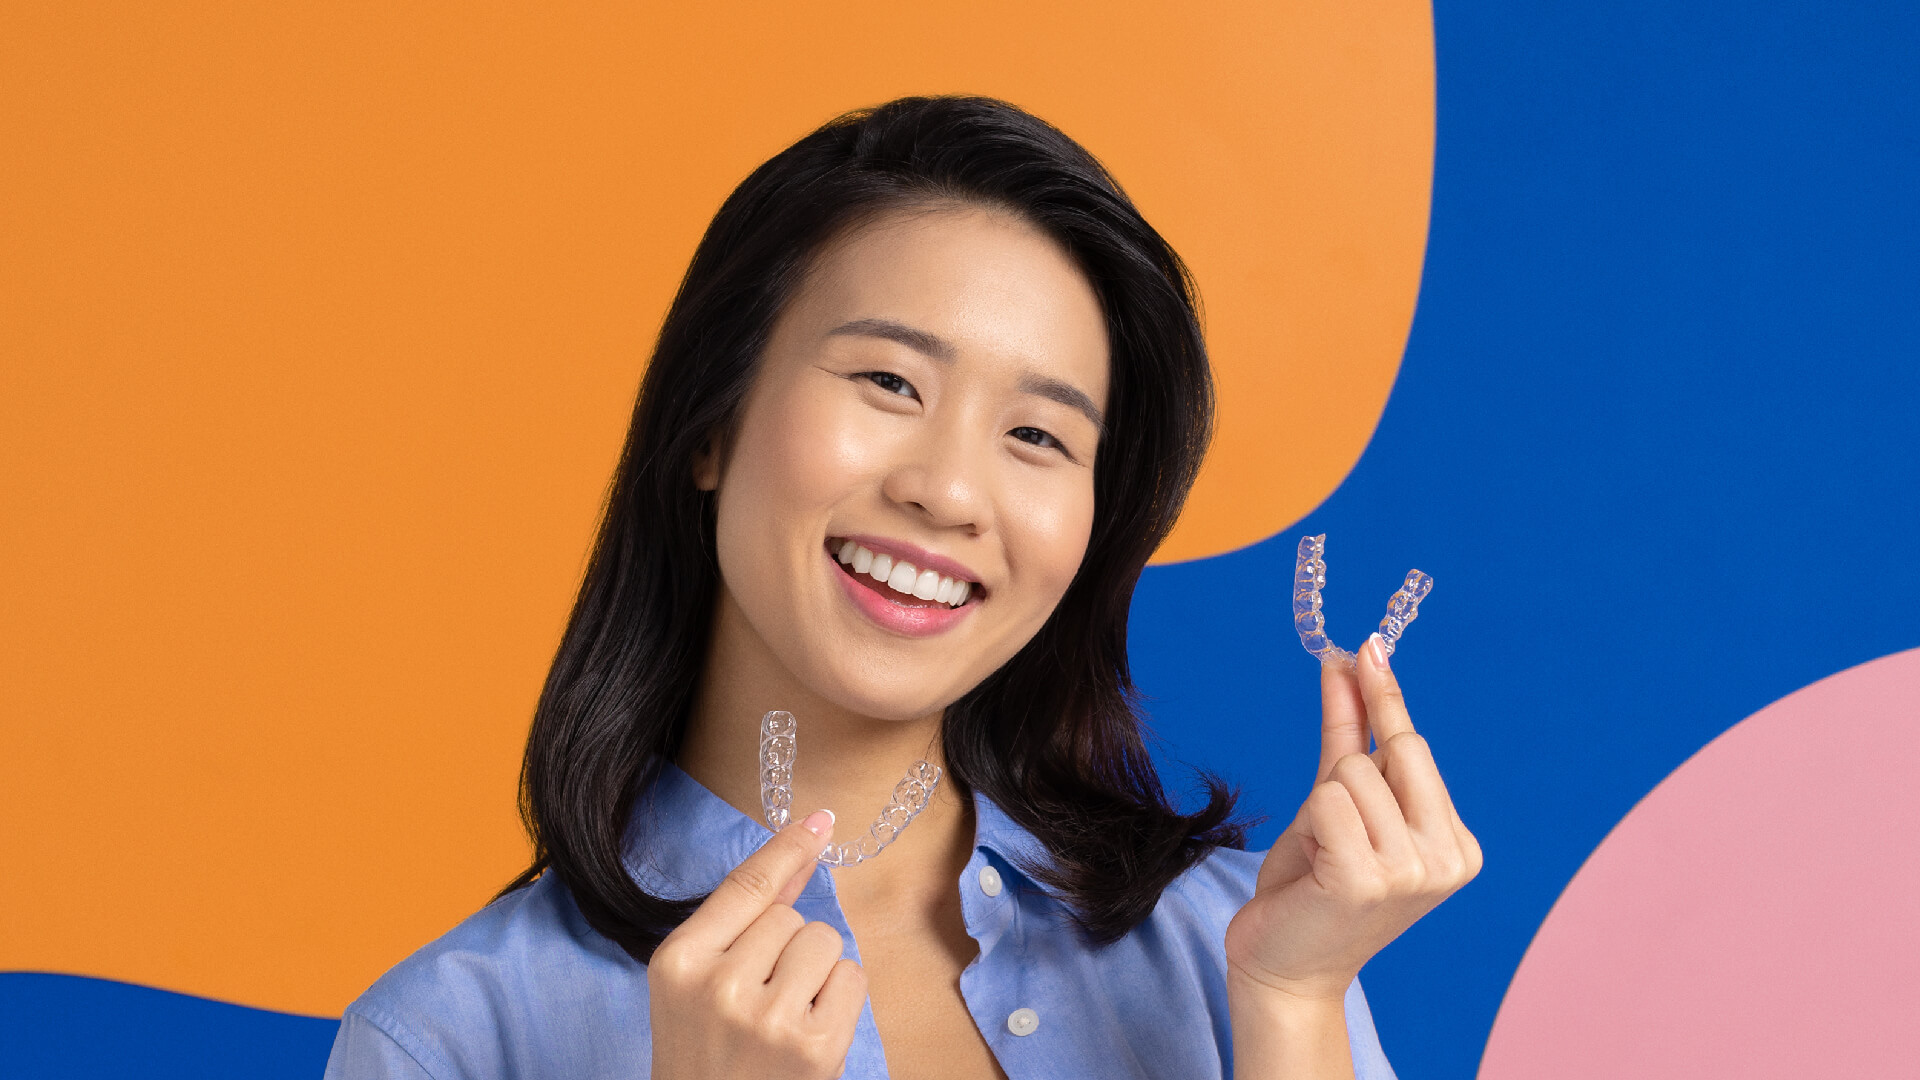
(683,839)
(994,831)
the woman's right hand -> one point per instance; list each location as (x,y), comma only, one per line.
(746,988)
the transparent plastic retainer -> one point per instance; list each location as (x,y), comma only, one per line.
(778,748)
(1310,576)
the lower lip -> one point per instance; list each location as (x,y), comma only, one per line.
(898,618)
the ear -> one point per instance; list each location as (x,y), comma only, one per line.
(706,465)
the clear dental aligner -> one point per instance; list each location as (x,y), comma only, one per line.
(778,748)
(1310,576)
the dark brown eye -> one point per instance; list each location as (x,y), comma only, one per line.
(1037,437)
(891,383)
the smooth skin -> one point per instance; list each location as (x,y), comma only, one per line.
(960,438)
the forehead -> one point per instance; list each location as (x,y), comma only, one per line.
(1000,290)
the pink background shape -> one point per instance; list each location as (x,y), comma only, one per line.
(1754,916)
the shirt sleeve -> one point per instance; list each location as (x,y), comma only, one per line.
(1369,1060)
(362,1051)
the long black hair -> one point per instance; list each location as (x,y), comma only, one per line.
(1054,736)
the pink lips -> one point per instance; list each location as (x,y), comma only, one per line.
(902,619)
(920,557)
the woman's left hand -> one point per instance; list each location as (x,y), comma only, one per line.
(1376,846)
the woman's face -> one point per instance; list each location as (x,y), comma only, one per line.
(930,398)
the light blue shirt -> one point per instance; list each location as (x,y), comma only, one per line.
(525,989)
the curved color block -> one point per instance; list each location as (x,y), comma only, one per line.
(1753,916)
(321,325)
(61,1027)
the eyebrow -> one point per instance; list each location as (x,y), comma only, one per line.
(918,340)
(939,348)
(1066,394)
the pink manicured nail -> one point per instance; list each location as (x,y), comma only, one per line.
(1379,651)
(819,823)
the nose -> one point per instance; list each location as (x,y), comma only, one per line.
(943,476)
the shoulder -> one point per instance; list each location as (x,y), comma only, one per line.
(1183,938)
(462,1005)
(1214,887)
(519,938)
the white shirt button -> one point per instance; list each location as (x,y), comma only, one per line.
(990,884)
(1023,1021)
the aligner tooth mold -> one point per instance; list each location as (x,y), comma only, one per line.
(779,745)
(1403,607)
(1310,576)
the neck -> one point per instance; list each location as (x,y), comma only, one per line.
(847,762)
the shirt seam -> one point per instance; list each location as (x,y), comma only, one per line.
(403,1037)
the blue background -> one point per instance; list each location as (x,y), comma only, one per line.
(1654,438)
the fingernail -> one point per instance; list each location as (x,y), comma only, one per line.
(1379,648)
(819,823)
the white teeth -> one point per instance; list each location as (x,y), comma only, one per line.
(903,576)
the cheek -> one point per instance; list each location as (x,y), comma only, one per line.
(800,452)
(1047,530)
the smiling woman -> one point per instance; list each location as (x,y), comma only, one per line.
(930,395)
(895,403)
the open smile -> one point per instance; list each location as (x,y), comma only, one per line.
(914,599)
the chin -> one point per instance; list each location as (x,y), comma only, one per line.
(888,702)
(887,699)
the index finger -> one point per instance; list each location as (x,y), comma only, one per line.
(759,882)
(1343,718)
(1386,709)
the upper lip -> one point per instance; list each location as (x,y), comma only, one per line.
(920,557)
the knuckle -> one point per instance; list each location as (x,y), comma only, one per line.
(731,1003)
(1353,761)
(753,879)
(855,975)
(1329,795)
(1409,742)
(786,1031)
(820,1048)
(670,963)
(1409,880)
(785,918)
(824,934)
(1352,768)
(1344,791)
(1476,859)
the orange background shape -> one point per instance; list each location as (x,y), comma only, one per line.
(320,326)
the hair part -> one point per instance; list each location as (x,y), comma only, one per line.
(1055,736)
